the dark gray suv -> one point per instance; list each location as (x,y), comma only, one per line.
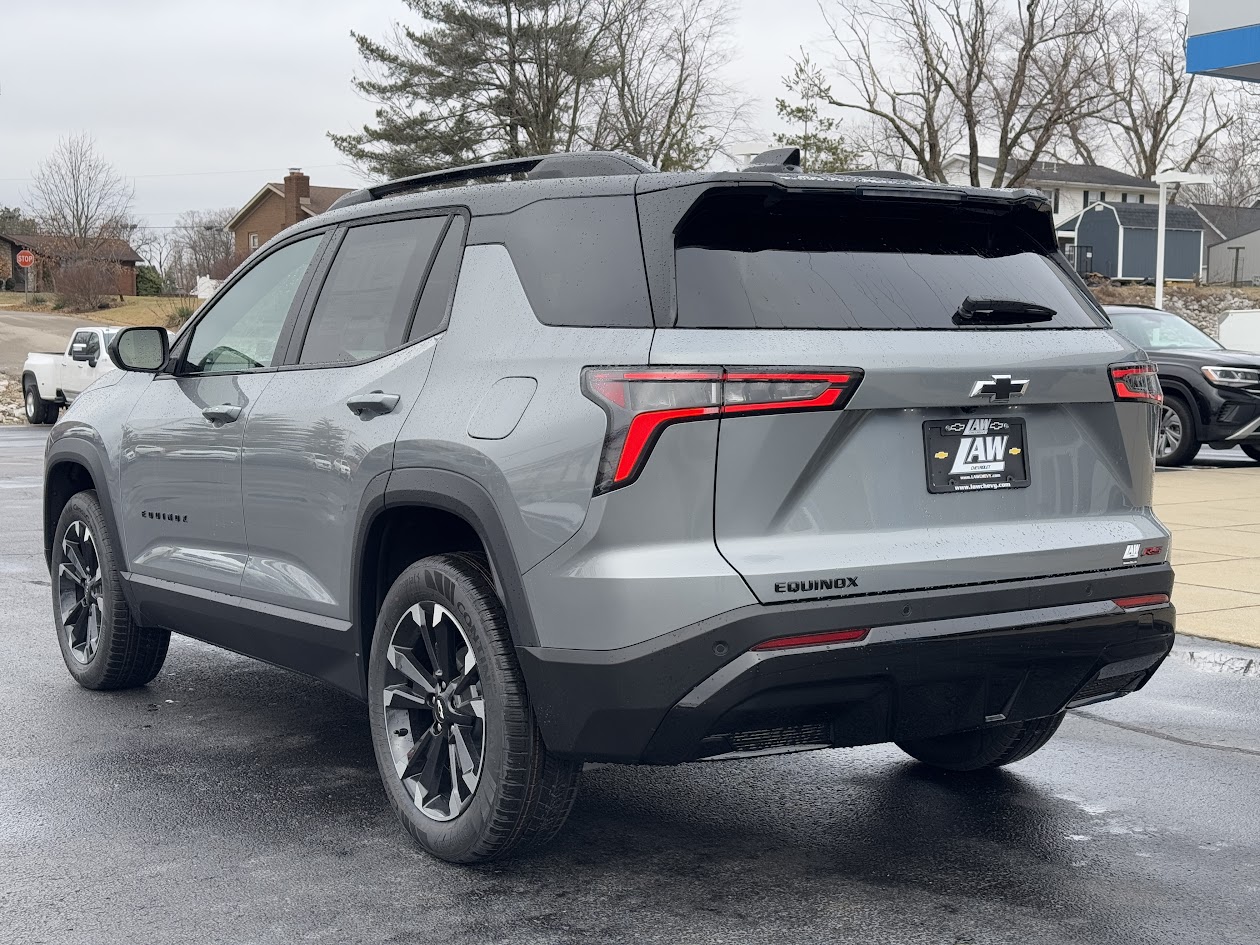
(589,462)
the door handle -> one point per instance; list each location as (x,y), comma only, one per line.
(373,404)
(224,413)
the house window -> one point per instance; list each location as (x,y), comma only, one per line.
(1103,196)
(1056,200)
(1085,201)
(1141,198)
(1124,198)
(253,240)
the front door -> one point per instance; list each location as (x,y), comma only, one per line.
(181,455)
(77,374)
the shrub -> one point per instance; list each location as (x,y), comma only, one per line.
(85,283)
(8,285)
(58,306)
(148,281)
(38,299)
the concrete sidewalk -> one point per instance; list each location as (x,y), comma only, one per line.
(1214,515)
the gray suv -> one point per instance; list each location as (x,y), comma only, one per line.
(590,462)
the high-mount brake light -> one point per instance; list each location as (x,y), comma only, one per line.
(814,639)
(641,402)
(1136,382)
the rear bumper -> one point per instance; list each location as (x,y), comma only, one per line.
(934,662)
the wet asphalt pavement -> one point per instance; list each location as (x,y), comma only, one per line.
(230,801)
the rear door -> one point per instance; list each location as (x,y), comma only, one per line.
(985,439)
(325,427)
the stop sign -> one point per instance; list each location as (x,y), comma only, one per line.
(26,259)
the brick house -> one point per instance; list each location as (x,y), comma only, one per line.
(51,251)
(278,206)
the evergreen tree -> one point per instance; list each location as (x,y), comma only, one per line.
(484,79)
(823,148)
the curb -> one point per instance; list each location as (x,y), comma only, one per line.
(1208,656)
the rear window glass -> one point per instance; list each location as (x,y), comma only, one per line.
(765,260)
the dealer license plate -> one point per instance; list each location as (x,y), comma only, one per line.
(976,453)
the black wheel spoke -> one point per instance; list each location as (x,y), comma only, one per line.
(404,660)
(400,697)
(434,765)
(419,754)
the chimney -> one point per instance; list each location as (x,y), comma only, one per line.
(297,194)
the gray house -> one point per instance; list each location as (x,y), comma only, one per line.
(1233,235)
(1117,240)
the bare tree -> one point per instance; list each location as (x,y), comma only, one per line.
(944,75)
(201,245)
(1233,155)
(1159,116)
(83,204)
(77,194)
(664,100)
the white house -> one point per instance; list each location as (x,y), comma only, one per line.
(1071,187)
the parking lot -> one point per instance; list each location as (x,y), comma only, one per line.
(231,801)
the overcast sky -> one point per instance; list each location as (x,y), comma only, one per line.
(201,103)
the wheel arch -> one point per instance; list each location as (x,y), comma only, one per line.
(420,512)
(71,467)
(1200,410)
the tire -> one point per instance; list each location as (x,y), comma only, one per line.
(101,644)
(1178,441)
(512,793)
(984,747)
(38,410)
(1252,451)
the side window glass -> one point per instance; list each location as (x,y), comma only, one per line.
(93,344)
(372,290)
(435,300)
(241,331)
(81,338)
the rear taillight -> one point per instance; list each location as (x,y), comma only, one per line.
(814,639)
(1138,382)
(642,401)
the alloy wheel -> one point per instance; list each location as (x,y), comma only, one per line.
(1170,432)
(434,711)
(80,592)
(30,404)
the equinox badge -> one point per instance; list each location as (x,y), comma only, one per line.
(1000,388)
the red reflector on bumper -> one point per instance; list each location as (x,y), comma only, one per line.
(813,639)
(1145,600)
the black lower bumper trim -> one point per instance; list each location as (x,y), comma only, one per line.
(628,705)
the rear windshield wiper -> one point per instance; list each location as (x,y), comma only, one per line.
(1001,312)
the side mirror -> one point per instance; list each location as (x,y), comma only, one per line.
(140,349)
(79,352)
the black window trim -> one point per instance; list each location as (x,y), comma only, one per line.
(176,366)
(294,350)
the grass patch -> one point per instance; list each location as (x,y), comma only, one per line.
(168,311)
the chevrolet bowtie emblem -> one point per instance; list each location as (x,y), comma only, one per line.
(1002,387)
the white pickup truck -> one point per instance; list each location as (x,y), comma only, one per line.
(51,380)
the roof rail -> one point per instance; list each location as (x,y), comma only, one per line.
(539,167)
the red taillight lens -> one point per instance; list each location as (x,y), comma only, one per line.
(1144,600)
(814,639)
(641,401)
(1136,382)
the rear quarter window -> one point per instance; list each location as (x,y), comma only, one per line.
(763,259)
(579,258)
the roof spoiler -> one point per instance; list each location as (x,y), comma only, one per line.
(540,167)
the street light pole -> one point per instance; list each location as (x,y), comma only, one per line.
(1159,244)
(1164,178)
